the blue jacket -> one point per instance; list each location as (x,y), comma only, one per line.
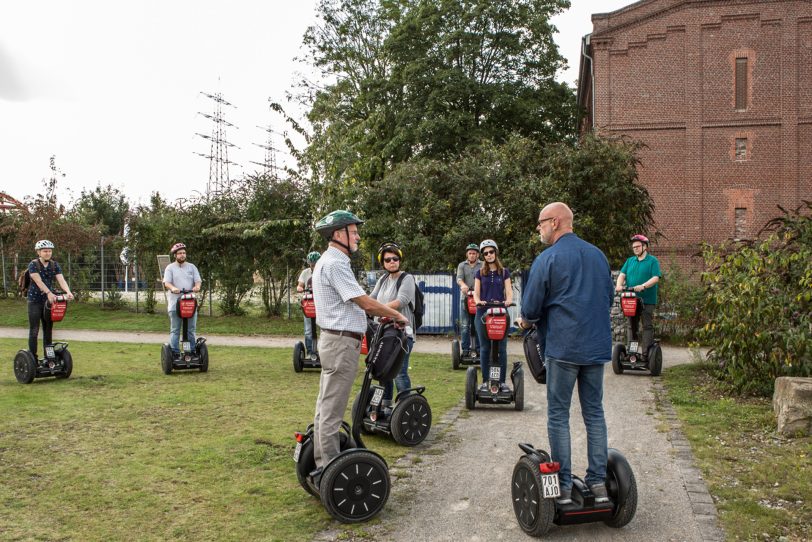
(569,294)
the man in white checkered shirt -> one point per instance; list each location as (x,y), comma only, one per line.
(341,309)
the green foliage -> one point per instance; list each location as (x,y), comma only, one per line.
(150,300)
(106,208)
(113,299)
(759,301)
(681,298)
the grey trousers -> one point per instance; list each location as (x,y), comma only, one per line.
(339,365)
(647,315)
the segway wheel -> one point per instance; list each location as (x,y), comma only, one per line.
(622,489)
(470,388)
(456,356)
(67,363)
(298,357)
(203,352)
(534,513)
(358,404)
(411,420)
(25,367)
(655,359)
(518,390)
(618,352)
(166,359)
(355,486)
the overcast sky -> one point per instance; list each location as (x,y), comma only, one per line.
(113,89)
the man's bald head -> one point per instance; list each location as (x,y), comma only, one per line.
(555,220)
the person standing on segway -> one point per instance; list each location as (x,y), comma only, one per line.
(43,272)
(491,283)
(305,283)
(401,299)
(341,309)
(641,272)
(569,294)
(465,280)
(180,275)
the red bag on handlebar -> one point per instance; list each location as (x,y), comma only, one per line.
(309,306)
(471,304)
(630,304)
(58,309)
(187,305)
(496,323)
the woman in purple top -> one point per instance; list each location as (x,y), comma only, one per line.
(491,283)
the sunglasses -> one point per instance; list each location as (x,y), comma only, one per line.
(488,252)
(391,259)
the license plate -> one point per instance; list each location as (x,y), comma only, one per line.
(296,452)
(186,347)
(633,347)
(549,486)
(49,352)
(496,372)
(376,397)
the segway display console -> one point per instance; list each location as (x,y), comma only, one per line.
(631,357)
(302,359)
(496,326)
(535,487)
(57,362)
(460,359)
(189,356)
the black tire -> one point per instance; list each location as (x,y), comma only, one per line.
(203,353)
(411,420)
(518,390)
(355,487)
(357,404)
(618,352)
(619,481)
(25,367)
(298,357)
(67,363)
(166,359)
(655,359)
(470,388)
(456,356)
(306,465)
(534,513)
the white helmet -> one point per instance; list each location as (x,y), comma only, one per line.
(43,244)
(488,243)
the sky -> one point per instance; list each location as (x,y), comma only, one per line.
(113,89)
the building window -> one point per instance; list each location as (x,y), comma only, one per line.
(741,148)
(740,224)
(741,84)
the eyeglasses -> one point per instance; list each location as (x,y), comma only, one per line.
(488,252)
(391,259)
(543,220)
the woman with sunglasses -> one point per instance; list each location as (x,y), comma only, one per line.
(491,284)
(402,299)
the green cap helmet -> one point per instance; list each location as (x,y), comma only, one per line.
(472,246)
(313,257)
(335,221)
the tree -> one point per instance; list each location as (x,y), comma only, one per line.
(106,208)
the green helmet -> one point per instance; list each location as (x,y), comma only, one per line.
(334,221)
(313,257)
(472,246)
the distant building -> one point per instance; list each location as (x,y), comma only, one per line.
(9,204)
(720,92)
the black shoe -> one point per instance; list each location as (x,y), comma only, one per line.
(315,476)
(503,388)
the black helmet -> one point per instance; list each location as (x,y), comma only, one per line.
(389,247)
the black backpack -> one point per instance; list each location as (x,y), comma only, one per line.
(419,308)
(24,280)
(534,354)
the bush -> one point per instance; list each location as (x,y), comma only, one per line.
(680,314)
(150,300)
(759,299)
(113,299)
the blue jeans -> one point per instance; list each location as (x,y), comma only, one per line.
(485,351)
(468,342)
(175,325)
(310,346)
(402,379)
(561,379)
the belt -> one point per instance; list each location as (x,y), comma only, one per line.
(354,335)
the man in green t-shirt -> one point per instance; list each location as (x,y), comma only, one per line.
(641,272)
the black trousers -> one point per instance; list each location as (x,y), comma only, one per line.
(36,314)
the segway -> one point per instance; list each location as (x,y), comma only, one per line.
(534,489)
(631,357)
(459,359)
(302,359)
(408,422)
(496,325)
(354,486)
(190,356)
(57,361)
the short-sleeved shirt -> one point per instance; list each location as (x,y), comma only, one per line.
(183,277)
(466,272)
(492,286)
(639,271)
(386,290)
(305,276)
(334,288)
(47,274)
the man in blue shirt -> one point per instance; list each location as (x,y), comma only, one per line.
(569,295)
(45,275)
(641,272)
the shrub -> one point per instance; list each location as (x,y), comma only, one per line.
(680,314)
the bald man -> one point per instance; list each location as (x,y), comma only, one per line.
(568,296)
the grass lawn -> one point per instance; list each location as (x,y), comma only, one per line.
(90,315)
(122,452)
(761,482)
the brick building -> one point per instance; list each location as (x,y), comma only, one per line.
(720,92)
